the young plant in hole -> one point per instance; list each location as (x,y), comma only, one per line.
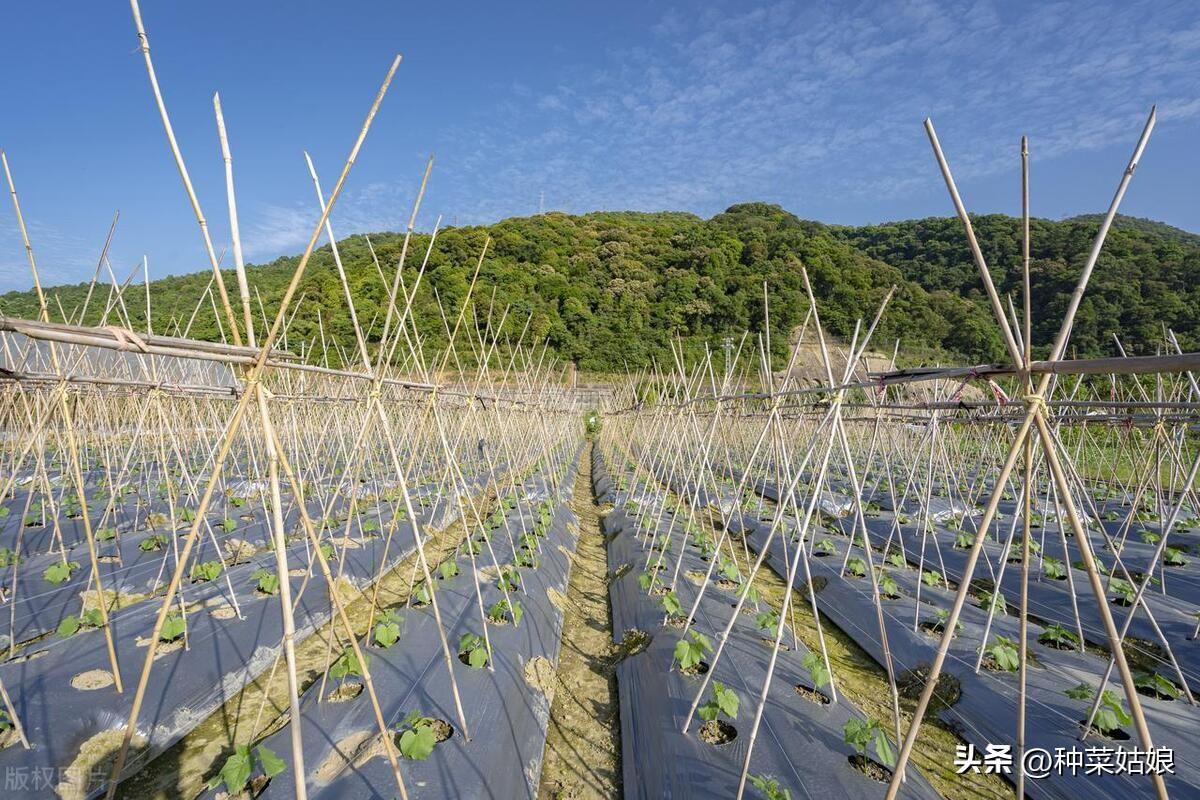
(1058,637)
(387,629)
(328,550)
(172,628)
(816,669)
(1004,652)
(931,578)
(861,734)
(963,540)
(856,567)
(421,596)
(689,654)
(526,558)
(769,786)
(1173,557)
(510,580)
(986,600)
(71,623)
(729,569)
(472,647)
(268,582)
(767,621)
(1155,685)
(8,557)
(888,586)
(498,613)
(897,560)
(448,569)
(750,591)
(236,772)
(1122,591)
(417,737)
(670,603)
(229,524)
(155,542)
(206,571)
(1053,569)
(1111,714)
(348,665)
(58,572)
(825,547)
(724,701)
(106,534)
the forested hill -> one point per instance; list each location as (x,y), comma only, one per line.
(610,290)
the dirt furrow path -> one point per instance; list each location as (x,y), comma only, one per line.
(583,751)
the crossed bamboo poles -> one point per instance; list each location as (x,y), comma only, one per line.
(682,405)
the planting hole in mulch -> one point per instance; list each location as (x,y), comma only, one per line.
(92,679)
(633,642)
(1116,735)
(223,612)
(347,691)
(717,732)
(620,571)
(696,670)
(727,585)
(163,649)
(783,646)
(811,695)
(819,582)
(911,683)
(871,768)
(676,620)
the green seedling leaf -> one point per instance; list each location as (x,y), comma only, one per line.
(348,664)
(58,572)
(172,628)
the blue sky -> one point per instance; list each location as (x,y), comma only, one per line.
(614,105)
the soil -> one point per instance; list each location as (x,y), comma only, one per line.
(541,676)
(92,679)
(871,768)
(717,732)
(346,691)
(1116,735)
(811,695)
(911,683)
(94,762)
(582,756)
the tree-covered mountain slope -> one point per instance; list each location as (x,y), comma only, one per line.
(610,290)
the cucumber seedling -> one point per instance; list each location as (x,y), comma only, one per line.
(690,650)
(472,651)
(863,733)
(419,735)
(724,701)
(387,629)
(498,612)
(60,572)
(237,769)
(71,623)
(206,571)
(267,582)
